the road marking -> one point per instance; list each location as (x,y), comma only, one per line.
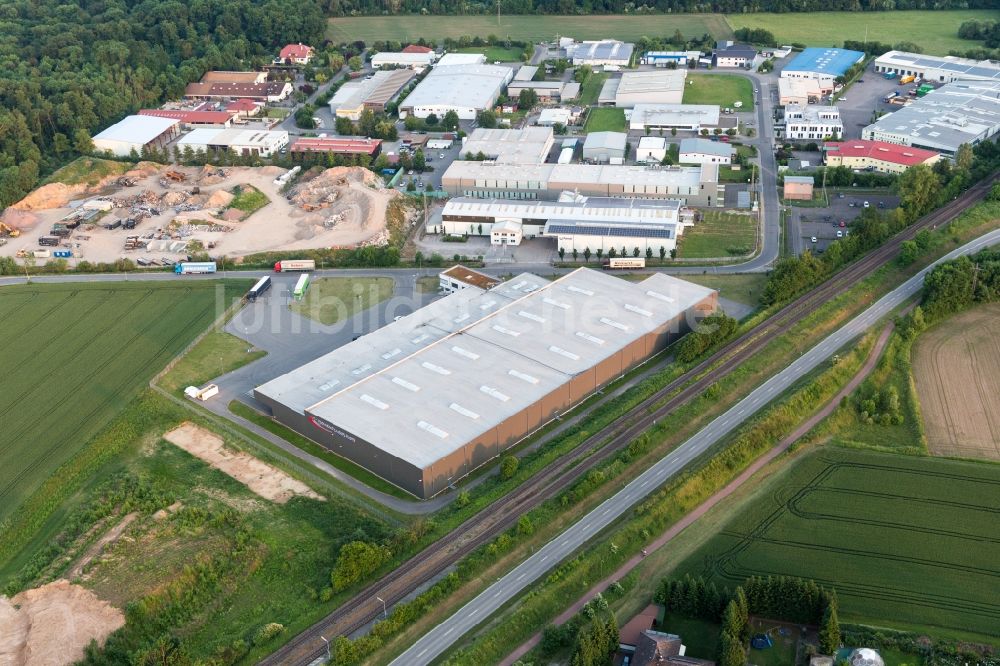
(421,653)
(523,575)
(499,592)
(474,611)
(448,630)
(545,557)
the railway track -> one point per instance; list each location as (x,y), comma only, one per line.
(365,606)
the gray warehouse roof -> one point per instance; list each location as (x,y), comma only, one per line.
(474,86)
(137,129)
(707,147)
(422,401)
(605,141)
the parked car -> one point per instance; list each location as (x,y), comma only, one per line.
(843,224)
(867,205)
(840,234)
(813,239)
(440,156)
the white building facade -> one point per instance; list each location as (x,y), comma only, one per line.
(814,122)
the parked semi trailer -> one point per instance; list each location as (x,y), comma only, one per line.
(295,265)
(259,288)
(193,267)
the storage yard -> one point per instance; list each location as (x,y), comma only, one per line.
(157,215)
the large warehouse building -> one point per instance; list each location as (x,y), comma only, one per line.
(938,69)
(957,113)
(696,186)
(876,155)
(576,222)
(603,53)
(135,133)
(372,93)
(689,117)
(464,89)
(240,141)
(822,65)
(528,145)
(425,400)
(664,86)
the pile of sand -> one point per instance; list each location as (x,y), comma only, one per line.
(53,195)
(174,198)
(18,219)
(263,479)
(51,625)
(144,170)
(219,199)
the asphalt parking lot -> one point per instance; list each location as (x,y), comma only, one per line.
(823,224)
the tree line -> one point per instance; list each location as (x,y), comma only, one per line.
(69,70)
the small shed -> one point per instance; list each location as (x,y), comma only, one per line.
(798,188)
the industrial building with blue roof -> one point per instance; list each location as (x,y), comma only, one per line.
(820,62)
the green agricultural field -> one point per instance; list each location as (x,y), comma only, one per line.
(605,120)
(935,31)
(74,355)
(330,300)
(522,28)
(495,53)
(719,89)
(906,541)
(718,235)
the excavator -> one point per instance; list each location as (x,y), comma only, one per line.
(6,231)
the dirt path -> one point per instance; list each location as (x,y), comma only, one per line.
(708,504)
(263,479)
(101,543)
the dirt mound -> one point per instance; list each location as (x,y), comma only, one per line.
(144,170)
(263,479)
(271,170)
(173,198)
(51,625)
(212,175)
(219,199)
(53,195)
(18,219)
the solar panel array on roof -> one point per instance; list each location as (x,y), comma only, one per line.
(617,231)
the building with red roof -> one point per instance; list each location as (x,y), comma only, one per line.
(414,48)
(296,53)
(243,107)
(304,147)
(876,155)
(193,118)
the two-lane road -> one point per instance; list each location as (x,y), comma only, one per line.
(443,636)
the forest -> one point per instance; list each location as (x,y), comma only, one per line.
(67,70)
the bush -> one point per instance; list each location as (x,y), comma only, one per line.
(508,466)
(267,632)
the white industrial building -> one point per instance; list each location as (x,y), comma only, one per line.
(374,92)
(240,141)
(705,151)
(695,185)
(605,147)
(939,69)
(651,150)
(552,116)
(665,86)
(464,89)
(957,113)
(529,145)
(135,133)
(577,222)
(426,400)
(461,277)
(690,117)
(799,91)
(812,122)
(602,53)
(418,61)
(450,59)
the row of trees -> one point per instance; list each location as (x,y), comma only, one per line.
(350,7)
(68,71)
(921,189)
(778,598)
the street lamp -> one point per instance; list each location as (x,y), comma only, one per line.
(327,647)
(385,613)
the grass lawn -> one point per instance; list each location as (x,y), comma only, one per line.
(405,27)
(743,288)
(76,354)
(248,199)
(428,284)
(591,89)
(937,30)
(782,652)
(494,53)
(215,354)
(861,522)
(605,120)
(87,170)
(700,637)
(330,300)
(718,235)
(729,174)
(277,113)
(720,89)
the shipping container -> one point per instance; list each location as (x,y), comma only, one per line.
(294,265)
(62,254)
(262,286)
(624,262)
(300,287)
(192,267)
(51,241)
